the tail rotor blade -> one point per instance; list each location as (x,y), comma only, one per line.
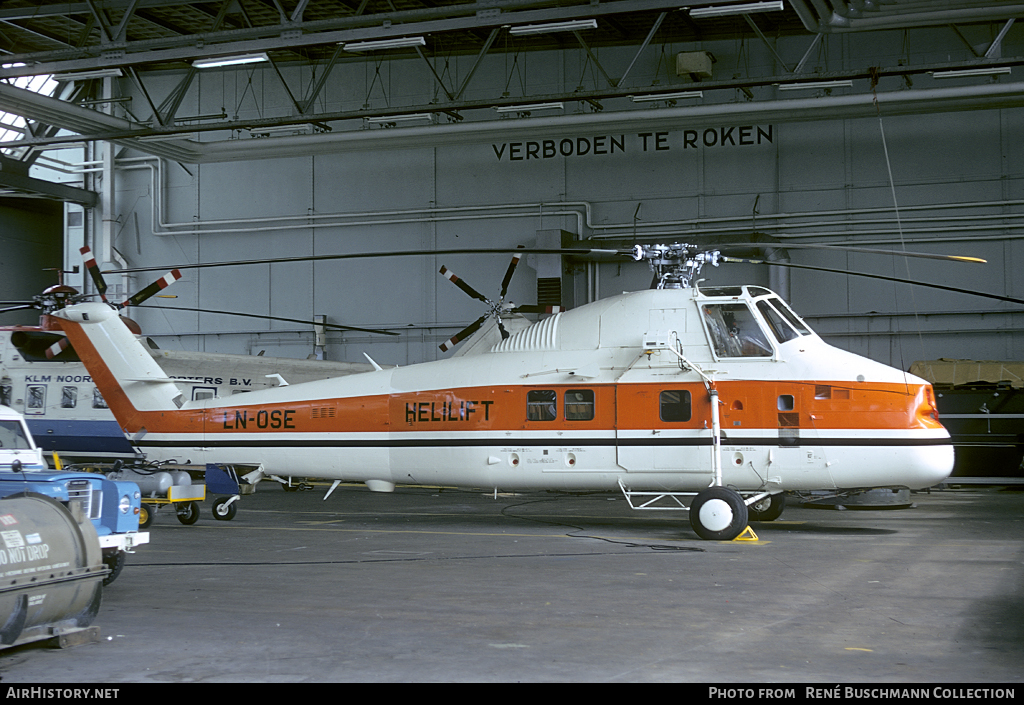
(463,334)
(450,276)
(154,288)
(94,272)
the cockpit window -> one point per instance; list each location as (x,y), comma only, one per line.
(778,326)
(791,317)
(722,291)
(734,331)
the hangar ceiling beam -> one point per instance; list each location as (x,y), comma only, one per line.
(476,64)
(764,40)
(579,38)
(297,12)
(983,97)
(828,16)
(91,125)
(321,80)
(14,178)
(646,42)
(296,35)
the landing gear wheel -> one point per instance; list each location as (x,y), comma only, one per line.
(188,513)
(767,509)
(145,516)
(224,513)
(718,514)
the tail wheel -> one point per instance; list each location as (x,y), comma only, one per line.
(767,509)
(224,511)
(718,514)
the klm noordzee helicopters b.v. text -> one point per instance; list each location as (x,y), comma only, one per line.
(721,398)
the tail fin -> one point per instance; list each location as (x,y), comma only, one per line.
(128,377)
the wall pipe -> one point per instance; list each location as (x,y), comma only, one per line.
(582,211)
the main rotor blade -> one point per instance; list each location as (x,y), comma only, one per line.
(154,288)
(94,272)
(463,334)
(943,287)
(852,248)
(508,275)
(381,331)
(450,276)
(18,308)
(399,253)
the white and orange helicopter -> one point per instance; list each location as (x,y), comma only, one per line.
(713,399)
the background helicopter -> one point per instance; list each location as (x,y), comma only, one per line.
(66,412)
(720,396)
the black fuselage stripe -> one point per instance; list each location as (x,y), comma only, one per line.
(557,441)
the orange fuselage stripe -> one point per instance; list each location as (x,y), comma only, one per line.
(752,404)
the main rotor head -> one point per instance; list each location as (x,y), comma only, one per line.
(676,266)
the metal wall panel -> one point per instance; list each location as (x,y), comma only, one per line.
(957,177)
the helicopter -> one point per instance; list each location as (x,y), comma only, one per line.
(713,400)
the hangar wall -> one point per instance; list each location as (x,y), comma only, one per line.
(30,237)
(956,176)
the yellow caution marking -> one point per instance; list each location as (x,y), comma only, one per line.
(857,648)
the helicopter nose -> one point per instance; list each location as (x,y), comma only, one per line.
(933,467)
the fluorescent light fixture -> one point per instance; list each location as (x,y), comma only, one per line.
(570,26)
(237,60)
(960,73)
(666,96)
(385,119)
(740,9)
(377,44)
(811,85)
(302,129)
(85,75)
(527,108)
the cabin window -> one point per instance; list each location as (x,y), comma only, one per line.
(579,405)
(98,402)
(734,331)
(68,397)
(201,393)
(786,402)
(675,405)
(541,405)
(35,399)
(5,393)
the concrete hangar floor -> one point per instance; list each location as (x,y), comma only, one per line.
(434,585)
